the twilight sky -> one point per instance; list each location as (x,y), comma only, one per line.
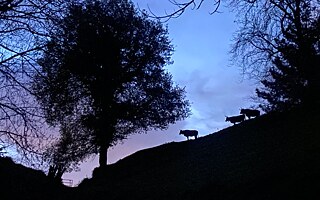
(201,64)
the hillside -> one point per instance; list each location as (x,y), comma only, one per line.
(275,156)
(20,182)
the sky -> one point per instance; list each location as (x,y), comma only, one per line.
(202,65)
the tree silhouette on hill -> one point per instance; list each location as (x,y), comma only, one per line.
(105,68)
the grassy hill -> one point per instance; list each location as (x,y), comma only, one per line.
(275,156)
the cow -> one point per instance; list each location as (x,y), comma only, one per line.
(235,119)
(250,113)
(189,133)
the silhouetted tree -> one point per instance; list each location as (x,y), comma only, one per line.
(263,24)
(295,74)
(105,64)
(283,90)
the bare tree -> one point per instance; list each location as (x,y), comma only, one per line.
(24,27)
(262,24)
(259,22)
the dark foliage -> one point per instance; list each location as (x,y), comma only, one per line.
(73,147)
(105,66)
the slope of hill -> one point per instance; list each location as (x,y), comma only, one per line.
(272,157)
(20,182)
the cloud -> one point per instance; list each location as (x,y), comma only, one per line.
(214,94)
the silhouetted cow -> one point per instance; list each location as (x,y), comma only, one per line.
(189,133)
(250,112)
(235,119)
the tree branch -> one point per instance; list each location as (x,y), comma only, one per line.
(181,8)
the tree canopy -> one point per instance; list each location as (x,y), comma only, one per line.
(105,65)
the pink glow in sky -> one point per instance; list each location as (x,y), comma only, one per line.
(202,65)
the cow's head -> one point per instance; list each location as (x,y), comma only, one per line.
(242,111)
(227,119)
(180,132)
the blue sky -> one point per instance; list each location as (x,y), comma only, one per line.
(201,64)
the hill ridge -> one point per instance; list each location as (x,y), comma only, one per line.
(233,161)
(275,156)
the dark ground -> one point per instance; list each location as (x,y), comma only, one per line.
(275,156)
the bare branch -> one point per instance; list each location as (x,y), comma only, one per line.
(24,29)
(181,7)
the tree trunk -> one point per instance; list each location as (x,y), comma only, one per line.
(55,173)
(52,172)
(103,156)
